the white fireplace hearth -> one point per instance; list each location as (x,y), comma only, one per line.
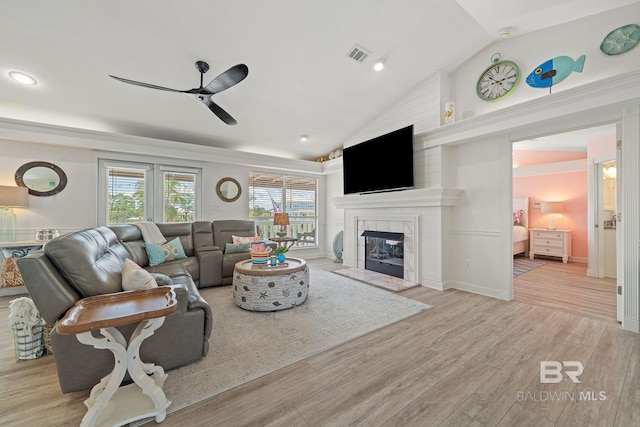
(421,214)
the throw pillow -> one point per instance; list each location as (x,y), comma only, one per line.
(162,279)
(242,239)
(232,248)
(135,277)
(516,216)
(169,251)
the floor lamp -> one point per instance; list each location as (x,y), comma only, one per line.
(11,197)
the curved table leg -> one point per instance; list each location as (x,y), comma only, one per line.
(140,371)
(127,357)
(102,392)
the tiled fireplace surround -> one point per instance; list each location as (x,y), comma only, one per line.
(421,214)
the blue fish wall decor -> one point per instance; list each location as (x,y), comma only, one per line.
(554,71)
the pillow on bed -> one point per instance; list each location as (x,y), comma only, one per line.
(516,217)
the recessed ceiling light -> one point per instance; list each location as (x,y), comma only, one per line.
(378,65)
(304,138)
(23,78)
(505,32)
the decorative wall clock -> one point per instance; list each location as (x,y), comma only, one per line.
(498,80)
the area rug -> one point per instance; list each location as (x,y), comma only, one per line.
(246,345)
(380,280)
(521,265)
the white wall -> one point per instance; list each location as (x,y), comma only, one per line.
(582,37)
(73,208)
(333,218)
(477,233)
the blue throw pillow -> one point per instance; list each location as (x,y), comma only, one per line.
(169,251)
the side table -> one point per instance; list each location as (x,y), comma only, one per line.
(109,403)
(284,242)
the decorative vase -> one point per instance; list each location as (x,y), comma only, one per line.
(282,257)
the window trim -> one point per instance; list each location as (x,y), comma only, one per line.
(284,201)
(153,180)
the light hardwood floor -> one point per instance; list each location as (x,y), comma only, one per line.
(567,287)
(470,360)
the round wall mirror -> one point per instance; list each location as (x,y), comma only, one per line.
(228,189)
(41,178)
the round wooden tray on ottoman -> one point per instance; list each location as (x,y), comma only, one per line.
(257,287)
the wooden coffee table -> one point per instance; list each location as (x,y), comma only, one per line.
(257,287)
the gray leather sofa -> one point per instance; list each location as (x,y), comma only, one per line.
(89,262)
(204,259)
(223,230)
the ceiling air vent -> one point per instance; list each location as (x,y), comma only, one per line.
(358,54)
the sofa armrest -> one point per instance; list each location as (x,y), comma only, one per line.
(50,291)
(189,299)
(210,260)
(182,298)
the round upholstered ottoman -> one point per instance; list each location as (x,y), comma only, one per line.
(257,287)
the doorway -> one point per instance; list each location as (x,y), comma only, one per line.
(556,169)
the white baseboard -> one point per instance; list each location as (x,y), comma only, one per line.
(432,284)
(481,290)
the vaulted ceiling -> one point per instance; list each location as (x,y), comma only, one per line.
(300,81)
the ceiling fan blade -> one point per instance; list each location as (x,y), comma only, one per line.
(229,78)
(150,86)
(217,110)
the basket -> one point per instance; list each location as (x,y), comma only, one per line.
(28,345)
(9,274)
(46,337)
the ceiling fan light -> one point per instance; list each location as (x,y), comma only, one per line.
(23,78)
(379,65)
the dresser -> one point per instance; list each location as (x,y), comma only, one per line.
(550,243)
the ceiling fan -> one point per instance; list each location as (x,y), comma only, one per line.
(229,78)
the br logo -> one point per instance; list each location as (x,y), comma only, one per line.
(551,371)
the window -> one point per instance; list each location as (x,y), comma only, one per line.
(128,193)
(295,195)
(179,196)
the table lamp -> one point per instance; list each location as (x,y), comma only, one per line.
(552,208)
(11,197)
(281,219)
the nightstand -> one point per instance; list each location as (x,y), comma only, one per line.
(550,243)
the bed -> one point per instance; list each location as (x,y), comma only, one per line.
(520,230)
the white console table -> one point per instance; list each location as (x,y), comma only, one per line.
(109,403)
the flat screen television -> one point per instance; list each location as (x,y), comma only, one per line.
(384,163)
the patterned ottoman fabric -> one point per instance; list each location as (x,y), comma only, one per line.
(271,293)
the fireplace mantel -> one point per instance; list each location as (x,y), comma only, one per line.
(424,197)
(421,214)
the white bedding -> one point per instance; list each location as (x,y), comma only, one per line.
(520,233)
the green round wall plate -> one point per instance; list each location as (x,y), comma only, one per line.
(621,40)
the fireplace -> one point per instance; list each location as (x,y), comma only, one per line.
(384,252)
